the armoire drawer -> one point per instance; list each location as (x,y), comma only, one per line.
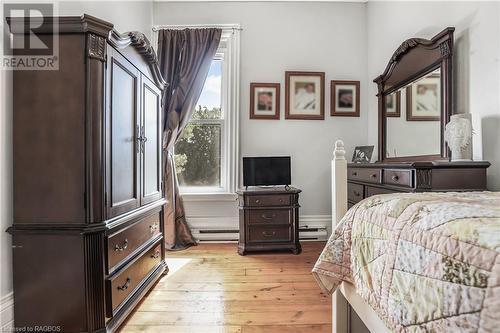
(398,177)
(269,216)
(365,175)
(355,192)
(273,233)
(123,284)
(268,200)
(125,242)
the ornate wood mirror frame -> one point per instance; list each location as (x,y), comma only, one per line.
(415,58)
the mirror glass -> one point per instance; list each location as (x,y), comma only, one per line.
(413,115)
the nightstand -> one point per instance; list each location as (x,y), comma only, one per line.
(269,219)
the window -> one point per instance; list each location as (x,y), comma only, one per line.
(205,155)
(198,154)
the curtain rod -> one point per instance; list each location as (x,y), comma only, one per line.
(187,26)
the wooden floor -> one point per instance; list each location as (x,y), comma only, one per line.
(210,288)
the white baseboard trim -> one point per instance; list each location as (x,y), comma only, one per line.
(224,222)
(7,312)
(315,221)
(206,228)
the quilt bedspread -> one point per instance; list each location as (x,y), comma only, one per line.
(425,262)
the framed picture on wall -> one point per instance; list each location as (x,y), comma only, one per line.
(344,98)
(264,100)
(423,99)
(305,95)
(393,104)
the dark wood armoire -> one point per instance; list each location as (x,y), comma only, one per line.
(88,199)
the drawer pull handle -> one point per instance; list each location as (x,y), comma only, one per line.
(374,175)
(395,178)
(153,228)
(156,255)
(354,173)
(267,217)
(267,234)
(121,248)
(124,286)
(356,193)
(257,201)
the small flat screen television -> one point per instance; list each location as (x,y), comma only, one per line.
(265,171)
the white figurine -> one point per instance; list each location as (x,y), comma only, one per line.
(458,135)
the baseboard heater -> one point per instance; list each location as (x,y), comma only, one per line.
(306,233)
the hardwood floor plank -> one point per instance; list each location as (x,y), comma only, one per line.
(211,289)
(239,286)
(231,306)
(180,329)
(231,318)
(325,328)
(277,295)
(278,270)
(221,278)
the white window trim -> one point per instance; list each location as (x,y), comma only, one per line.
(229,51)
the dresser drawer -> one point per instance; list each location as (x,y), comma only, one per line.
(123,284)
(269,216)
(364,175)
(125,242)
(398,177)
(355,192)
(268,200)
(274,233)
(370,190)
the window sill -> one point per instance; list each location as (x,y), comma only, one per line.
(214,196)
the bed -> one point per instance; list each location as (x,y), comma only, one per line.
(412,262)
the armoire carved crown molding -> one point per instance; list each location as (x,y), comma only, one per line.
(98,32)
(96,47)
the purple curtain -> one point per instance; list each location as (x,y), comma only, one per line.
(185,57)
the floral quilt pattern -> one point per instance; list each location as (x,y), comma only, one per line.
(425,262)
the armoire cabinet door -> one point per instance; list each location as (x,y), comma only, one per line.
(123,137)
(151,138)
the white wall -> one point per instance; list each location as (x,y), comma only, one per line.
(126,15)
(276,37)
(476,61)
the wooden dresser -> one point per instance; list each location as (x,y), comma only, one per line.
(269,219)
(365,180)
(88,187)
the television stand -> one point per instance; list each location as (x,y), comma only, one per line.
(269,219)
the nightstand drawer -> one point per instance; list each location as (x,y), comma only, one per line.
(355,192)
(364,175)
(274,233)
(269,216)
(398,177)
(268,200)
